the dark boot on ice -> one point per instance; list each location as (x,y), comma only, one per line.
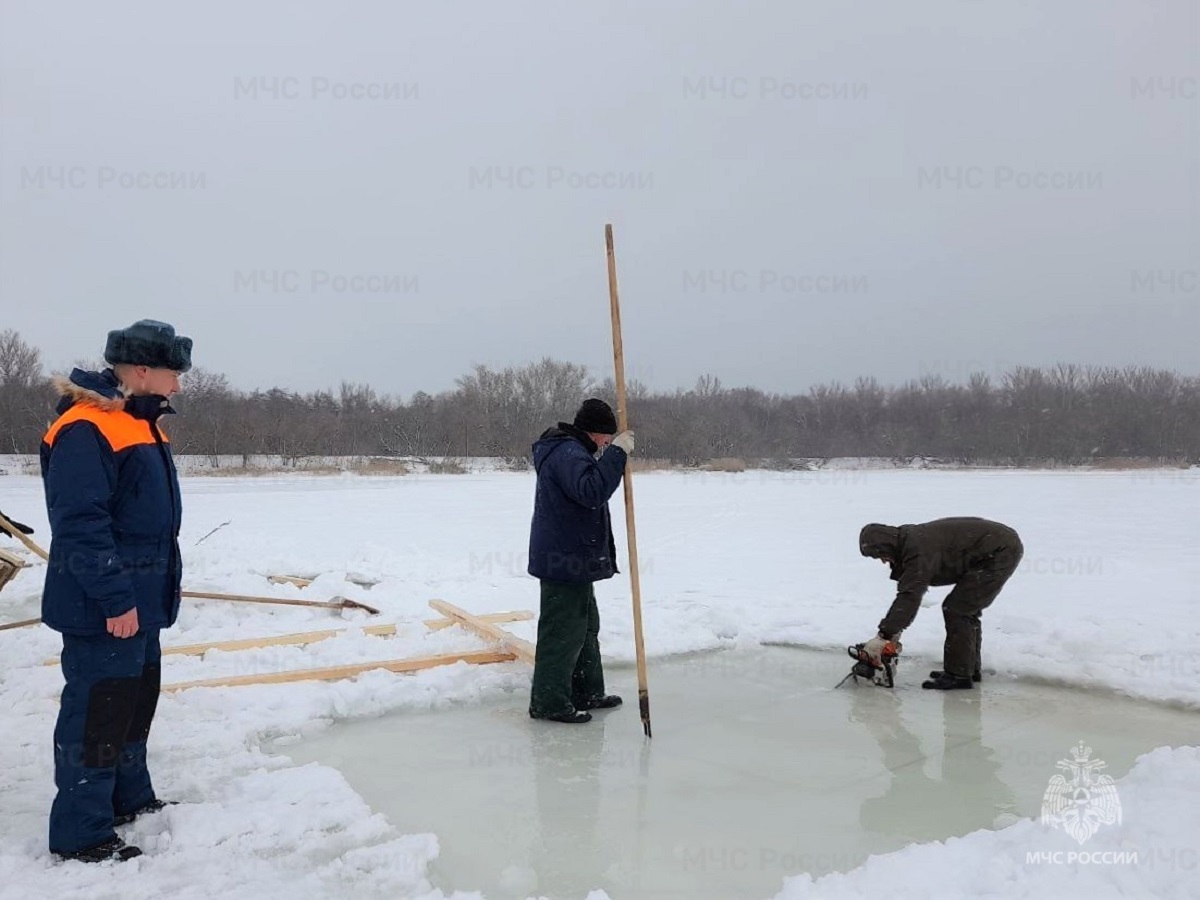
(938,673)
(571,717)
(152,807)
(114,849)
(608,701)
(947,682)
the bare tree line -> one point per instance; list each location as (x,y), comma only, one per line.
(1065,414)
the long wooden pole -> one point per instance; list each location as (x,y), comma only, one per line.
(24,623)
(20,536)
(337,603)
(631,531)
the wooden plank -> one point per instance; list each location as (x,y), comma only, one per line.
(312,637)
(10,565)
(521,615)
(524,650)
(298,639)
(301,638)
(335,673)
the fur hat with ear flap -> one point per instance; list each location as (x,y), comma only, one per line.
(596,417)
(149,343)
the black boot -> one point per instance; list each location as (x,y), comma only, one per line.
(113,849)
(573,717)
(947,682)
(608,701)
(938,673)
(152,807)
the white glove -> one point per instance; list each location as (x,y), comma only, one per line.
(874,649)
(624,440)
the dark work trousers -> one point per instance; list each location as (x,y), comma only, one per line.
(567,672)
(972,594)
(108,704)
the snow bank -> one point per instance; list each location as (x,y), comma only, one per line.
(1154,852)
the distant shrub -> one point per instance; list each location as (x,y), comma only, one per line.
(725,464)
(380,465)
(516,464)
(638,464)
(447,467)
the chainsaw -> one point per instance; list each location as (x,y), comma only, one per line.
(884,676)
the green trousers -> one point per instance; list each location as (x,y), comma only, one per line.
(567,671)
(963,606)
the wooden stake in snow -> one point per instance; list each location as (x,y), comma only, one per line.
(622,424)
(211,533)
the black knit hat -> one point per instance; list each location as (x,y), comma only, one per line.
(149,343)
(596,417)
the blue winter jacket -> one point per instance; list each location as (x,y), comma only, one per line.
(113,498)
(571,538)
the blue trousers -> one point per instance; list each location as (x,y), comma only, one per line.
(108,704)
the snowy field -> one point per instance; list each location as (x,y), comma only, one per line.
(1106,599)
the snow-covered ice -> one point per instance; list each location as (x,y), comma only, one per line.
(1105,600)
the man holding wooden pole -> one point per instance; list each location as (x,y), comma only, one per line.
(112,581)
(579,467)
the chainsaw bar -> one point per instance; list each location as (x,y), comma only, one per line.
(884,676)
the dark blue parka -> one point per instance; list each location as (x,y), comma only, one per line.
(571,538)
(113,499)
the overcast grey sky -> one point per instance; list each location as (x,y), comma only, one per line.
(801,192)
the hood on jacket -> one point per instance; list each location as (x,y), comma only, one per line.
(551,438)
(103,390)
(878,541)
(99,389)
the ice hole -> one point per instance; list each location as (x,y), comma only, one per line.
(758,769)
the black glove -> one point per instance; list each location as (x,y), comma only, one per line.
(24,529)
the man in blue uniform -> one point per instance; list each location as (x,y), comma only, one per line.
(113,581)
(571,546)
